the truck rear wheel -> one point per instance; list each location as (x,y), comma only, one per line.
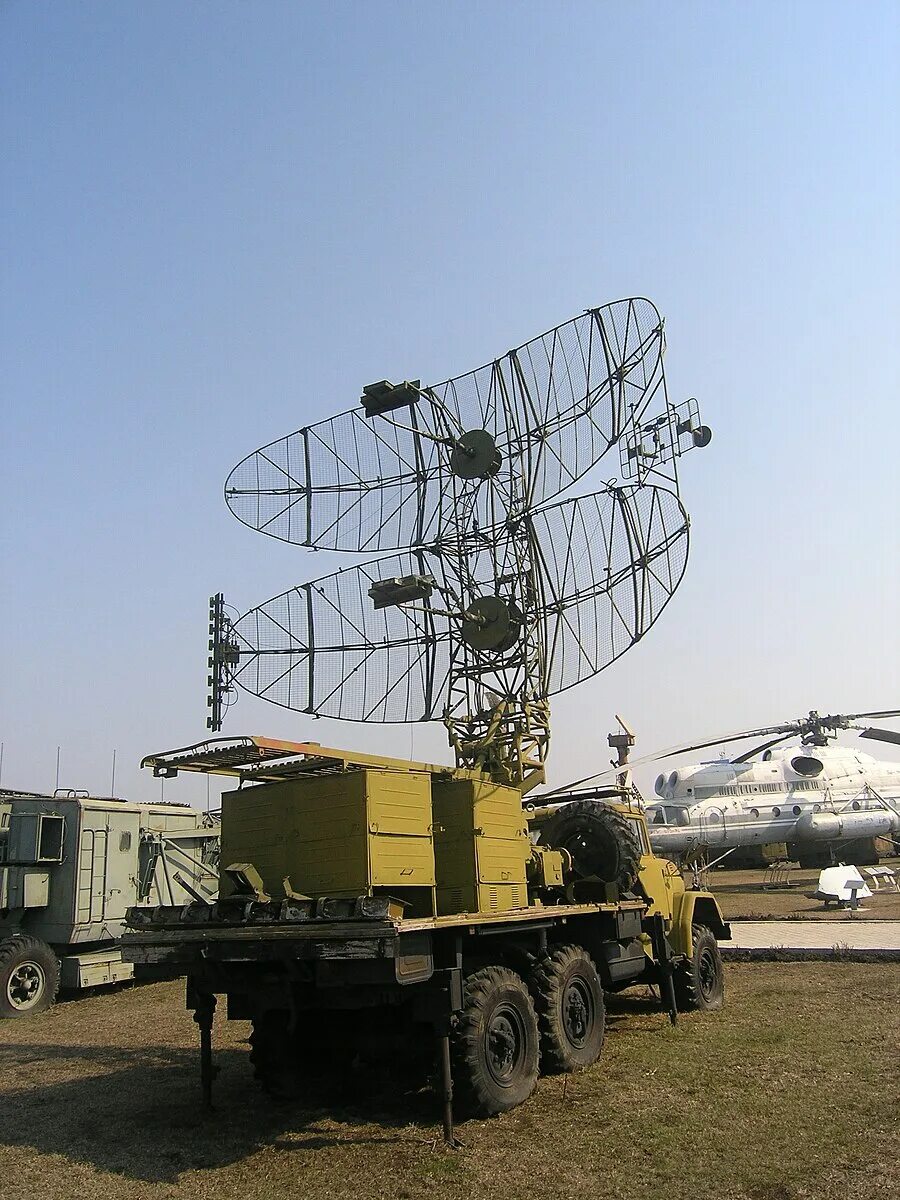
(700,981)
(283,1059)
(495,1043)
(273,1055)
(599,839)
(29,976)
(568,998)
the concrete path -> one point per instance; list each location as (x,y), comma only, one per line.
(821,937)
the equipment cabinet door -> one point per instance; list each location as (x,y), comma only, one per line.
(107,867)
(123,837)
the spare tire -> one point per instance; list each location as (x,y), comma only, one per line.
(600,841)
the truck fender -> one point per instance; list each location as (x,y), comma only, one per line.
(695,908)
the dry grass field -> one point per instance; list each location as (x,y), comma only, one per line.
(789,1093)
(741,894)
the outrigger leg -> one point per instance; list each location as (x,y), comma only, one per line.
(204,1006)
(662,952)
(446,1087)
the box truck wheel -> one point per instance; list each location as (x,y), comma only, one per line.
(29,976)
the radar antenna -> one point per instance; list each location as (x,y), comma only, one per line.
(504,591)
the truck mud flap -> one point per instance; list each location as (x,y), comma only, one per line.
(413,958)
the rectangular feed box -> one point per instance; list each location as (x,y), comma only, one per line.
(481,847)
(350,834)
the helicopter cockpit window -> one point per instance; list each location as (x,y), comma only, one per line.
(806,765)
(667,814)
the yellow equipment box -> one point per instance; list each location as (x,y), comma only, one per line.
(349,834)
(481,847)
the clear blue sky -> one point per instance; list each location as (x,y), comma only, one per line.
(219,220)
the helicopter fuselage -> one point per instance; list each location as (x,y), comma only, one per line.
(795,794)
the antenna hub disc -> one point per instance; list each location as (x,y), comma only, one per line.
(495,626)
(475,455)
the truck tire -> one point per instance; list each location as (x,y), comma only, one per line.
(699,981)
(284,1060)
(568,998)
(599,840)
(273,1055)
(495,1043)
(29,976)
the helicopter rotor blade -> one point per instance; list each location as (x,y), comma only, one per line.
(882,735)
(778,733)
(672,752)
(748,754)
(868,716)
(780,730)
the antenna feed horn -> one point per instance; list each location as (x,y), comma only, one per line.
(490,623)
(475,455)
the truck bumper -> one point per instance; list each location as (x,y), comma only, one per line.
(94,968)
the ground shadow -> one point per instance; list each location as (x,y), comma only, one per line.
(633,1003)
(139,1114)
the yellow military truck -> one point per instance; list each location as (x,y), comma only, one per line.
(367,903)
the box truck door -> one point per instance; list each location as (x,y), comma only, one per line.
(92,875)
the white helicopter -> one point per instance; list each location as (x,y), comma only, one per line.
(813,796)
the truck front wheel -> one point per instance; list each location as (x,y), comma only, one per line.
(700,981)
(495,1043)
(29,976)
(568,997)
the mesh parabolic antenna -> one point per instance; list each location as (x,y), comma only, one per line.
(490,590)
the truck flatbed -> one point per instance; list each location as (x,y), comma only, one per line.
(175,937)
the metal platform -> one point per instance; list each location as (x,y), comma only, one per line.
(253,758)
